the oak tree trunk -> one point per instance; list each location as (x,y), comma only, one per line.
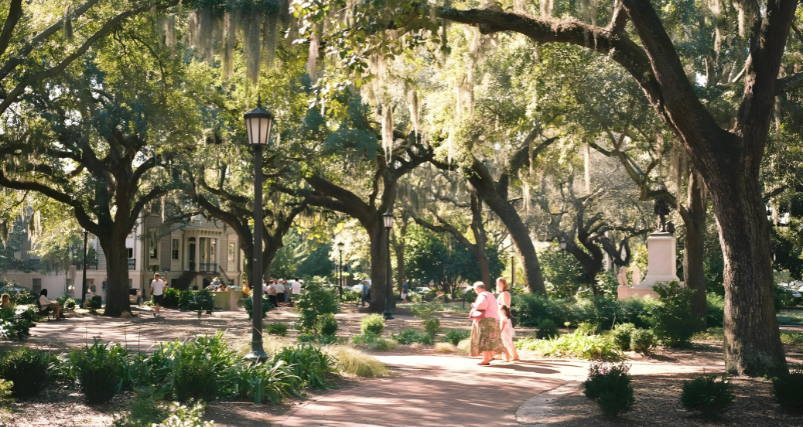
(693,248)
(114,249)
(379,267)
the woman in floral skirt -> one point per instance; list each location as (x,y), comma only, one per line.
(485,335)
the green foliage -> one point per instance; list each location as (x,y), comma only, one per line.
(469,295)
(426,310)
(186,416)
(101,371)
(589,328)
(707,395)
(641,340)
(194,379)
(622,334)
(374,341)
(455,336)
(601,311)
(95,303)
(354,362)
(145,410)
(409,336)
(259,381)
(533,308)
(327,324)
(27,369)
(432,326)
(202,300)
(637,311)
(788,390)
(315,301)
(279,329)
(547,329)
(248,305)
(308,363)
(66,303)
(590,347)
(563,274)
(672,322)
(21,297)
(716,310)
(13,326)
(6,393)
(372,323)
(171,297)
(609,385)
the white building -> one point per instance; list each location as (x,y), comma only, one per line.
(188,256)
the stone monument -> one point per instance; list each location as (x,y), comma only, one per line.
(661,259)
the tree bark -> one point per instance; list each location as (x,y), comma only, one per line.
(114,248)
(693,248)
(379,266)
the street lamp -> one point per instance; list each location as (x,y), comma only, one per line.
(83,286)
(512,266)
(340,283)
(258,123)
(562,244)
(388,219)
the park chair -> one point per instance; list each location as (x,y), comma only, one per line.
(45,311)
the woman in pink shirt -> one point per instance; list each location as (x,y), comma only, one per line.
(485,335)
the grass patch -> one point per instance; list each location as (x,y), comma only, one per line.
(790,317)
(354,362)
(717,334)
(445,347)
(449,307)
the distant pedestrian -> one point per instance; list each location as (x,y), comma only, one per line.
(157,289)
(279,292)
(485,336)
(272,294)
(296,286)
(366,293)
(405,289)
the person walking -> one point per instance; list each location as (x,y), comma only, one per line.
(296,287)
(405,289)
(507,332)
(504,295)
(485,336)
(279,291)
(272,294)
(157,289)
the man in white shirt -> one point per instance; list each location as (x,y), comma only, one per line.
(157,289)
(296,287)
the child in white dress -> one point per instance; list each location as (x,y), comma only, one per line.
(507,333)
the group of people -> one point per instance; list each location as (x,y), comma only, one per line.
(281,291)
(492,328)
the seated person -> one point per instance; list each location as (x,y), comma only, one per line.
(46,304)
(5,301)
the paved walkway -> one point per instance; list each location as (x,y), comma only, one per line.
(443,391)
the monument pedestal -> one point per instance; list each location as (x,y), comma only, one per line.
(661,266)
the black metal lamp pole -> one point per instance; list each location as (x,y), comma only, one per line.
(340,281)
(258,123)
(512,267)
(388,219)
(83,287)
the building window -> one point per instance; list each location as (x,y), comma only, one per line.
(154,253)
(130,252)
(175,248)
(231,251)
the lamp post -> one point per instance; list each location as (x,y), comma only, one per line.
(512,266)
(562,244)
(340,282)
(83,286)
(258,123)
(387,217)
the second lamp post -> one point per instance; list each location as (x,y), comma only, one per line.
(258,123)
(340,281)
(387,217)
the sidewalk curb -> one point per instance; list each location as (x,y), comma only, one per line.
(539,409)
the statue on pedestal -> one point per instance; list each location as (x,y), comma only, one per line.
(662,210)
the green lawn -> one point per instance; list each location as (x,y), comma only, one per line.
(716,334)
(790,317)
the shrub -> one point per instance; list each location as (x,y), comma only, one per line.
(23,297)
(248,305)
(195,378)
(257,381)
(787,390)
(601,311)
(409,336)
(145,411)
(171,297)
(588,328)
(621,335)
(707,395)
(637,310)
(66,303)
(327,324)
(183,416)
(202,300)
(547,329)
(464,346)
(5,393)
(454,337)
(279,329)
(641,340)
(308,363)
(316,300)
(609,385)
(534,308)
(13,326)
(95,302)
(716,310)
(432,326)
(100,370)
(373,323)
(673,323)
(354,362)
(28,371)
(374,342)
(590,347)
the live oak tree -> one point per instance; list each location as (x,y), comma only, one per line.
(103,140)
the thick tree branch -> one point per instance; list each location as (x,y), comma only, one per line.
(14,16)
